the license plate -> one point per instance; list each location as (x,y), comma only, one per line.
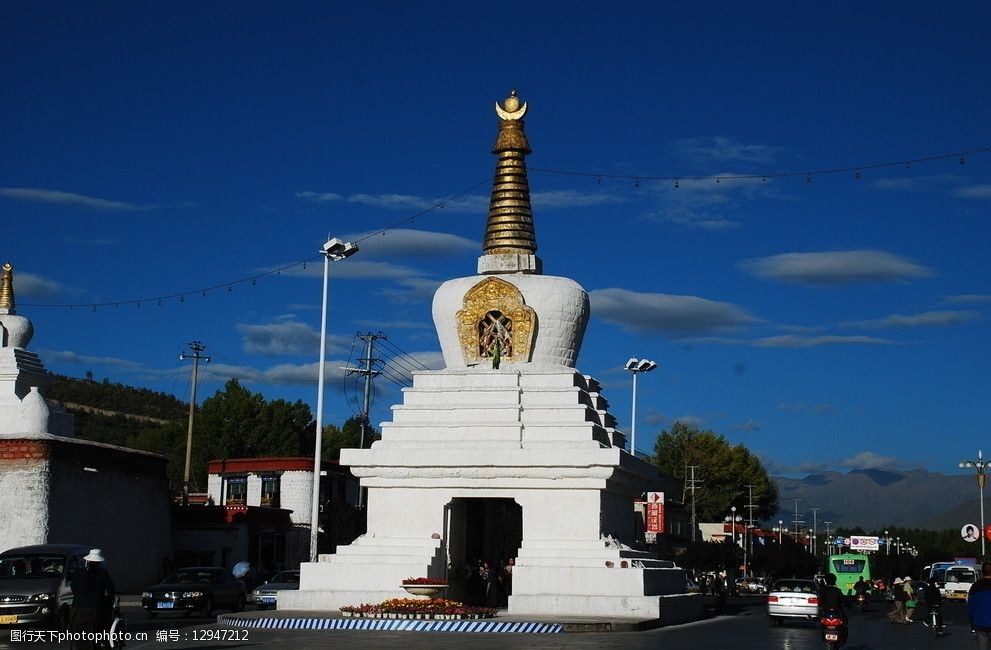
(8,620)
(164,605)
(832,637)
(268,601)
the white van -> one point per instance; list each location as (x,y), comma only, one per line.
(959,579)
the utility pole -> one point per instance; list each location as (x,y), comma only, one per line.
(815,527)
(367,371)
(798,521)
(692,482)
(748,541)
(829,539)
(196,347)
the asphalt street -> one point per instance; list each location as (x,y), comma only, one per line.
(744,627)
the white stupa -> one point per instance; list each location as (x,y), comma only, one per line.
(22,375)
(507,452)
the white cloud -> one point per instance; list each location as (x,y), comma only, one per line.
(411,243)
(974,192)
(871,460)
(287,338)
(798,341)
(31,286)
(570,199)
(912,183)
(835,267)
(925,319)
(658,313)
(52,357)
(802,407)
(722,149)
(37,195)
(394,324)
(969,298)
(477,203)
(690,421)
(749,425)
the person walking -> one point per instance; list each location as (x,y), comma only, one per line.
(897,613)
(979,608)
(92,600)
(910,599)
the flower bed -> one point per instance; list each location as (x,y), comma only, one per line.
(406,608)
(425,581)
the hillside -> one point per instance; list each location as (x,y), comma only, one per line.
(873,499)
(113,412)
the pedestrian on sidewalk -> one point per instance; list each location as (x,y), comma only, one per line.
(92,599)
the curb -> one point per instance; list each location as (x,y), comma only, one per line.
(407,625)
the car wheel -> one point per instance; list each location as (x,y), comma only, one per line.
(62,619)
(207,606)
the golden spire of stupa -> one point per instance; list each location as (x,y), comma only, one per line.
(7,289)
(510,225)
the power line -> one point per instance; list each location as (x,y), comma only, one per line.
(809,174)
(252,279)
(180,296)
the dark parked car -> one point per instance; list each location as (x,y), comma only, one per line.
(34,583)
(267,595)
(196,589)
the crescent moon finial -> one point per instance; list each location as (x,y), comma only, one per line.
(511,108)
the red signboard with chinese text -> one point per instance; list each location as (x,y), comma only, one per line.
(655,512)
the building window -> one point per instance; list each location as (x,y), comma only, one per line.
(236,490)
(270,491)
(495,330)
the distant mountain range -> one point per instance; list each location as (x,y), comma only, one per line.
(876,498)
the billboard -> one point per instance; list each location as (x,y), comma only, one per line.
(863,543)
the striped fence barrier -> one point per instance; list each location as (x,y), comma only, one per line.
(405,625)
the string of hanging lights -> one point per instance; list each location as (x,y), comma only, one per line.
(856,170)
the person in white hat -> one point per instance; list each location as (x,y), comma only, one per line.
(897,613)
(92,599)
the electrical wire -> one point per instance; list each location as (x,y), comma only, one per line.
(253,279)
(808,173)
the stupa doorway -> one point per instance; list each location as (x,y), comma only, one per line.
(481,530)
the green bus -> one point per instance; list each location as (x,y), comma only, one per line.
(848,569)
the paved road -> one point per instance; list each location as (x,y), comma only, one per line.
(743,628)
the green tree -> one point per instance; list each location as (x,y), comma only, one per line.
(346,437)
(236,423)
(725,470)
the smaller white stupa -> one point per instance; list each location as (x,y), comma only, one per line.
(22,375)
(507,455)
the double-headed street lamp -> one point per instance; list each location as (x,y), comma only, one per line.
(636,366)
(978,466)
(779,529)
(333,250)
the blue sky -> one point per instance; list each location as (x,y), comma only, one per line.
(157,149)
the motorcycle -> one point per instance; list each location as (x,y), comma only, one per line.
(834,629)
(862,601)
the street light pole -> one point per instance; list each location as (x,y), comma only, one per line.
(334,249)
(636,366)
(979,466)
(781,528)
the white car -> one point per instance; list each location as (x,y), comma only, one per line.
(793,599)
